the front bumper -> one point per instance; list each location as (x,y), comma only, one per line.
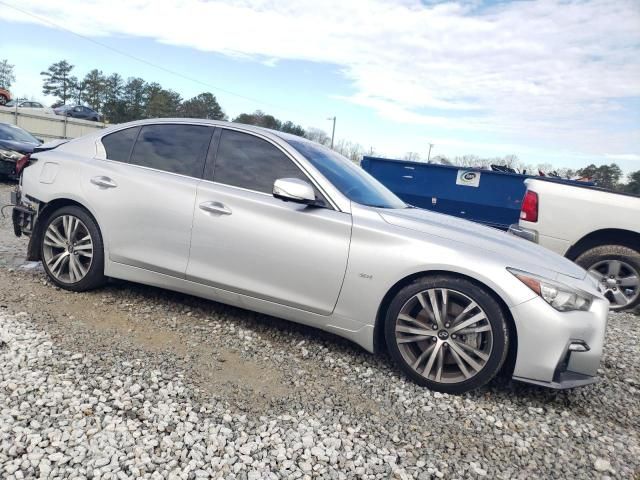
(559,349)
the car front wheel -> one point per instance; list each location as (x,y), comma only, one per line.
(447,333)
(71,249)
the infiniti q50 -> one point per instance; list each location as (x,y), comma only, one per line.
(280,225)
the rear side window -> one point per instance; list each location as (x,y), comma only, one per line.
(118,145)
(252,163)
(173,148)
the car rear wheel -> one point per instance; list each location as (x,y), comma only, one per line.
(617,269)
(447,333)
(72,251)
(3,100)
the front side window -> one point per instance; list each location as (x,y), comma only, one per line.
(118,145)
(173,148)
(246,161)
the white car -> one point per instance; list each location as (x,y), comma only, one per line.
(598,229)
(274,223)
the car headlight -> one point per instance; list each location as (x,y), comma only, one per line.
(560,296)
(10,155)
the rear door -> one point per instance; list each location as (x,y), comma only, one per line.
(143,193)
(246,241)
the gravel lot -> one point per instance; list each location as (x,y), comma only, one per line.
(136,382)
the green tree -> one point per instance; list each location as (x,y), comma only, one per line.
(161,103)
(114,108)
(633,186)
(6,74)
(605,176)
(77,90)
(94,89)
(292,128)
(58,81)
(204,105)
(134,97)
(260,119)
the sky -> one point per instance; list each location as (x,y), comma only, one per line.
(550,81)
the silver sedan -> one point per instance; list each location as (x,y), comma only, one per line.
(280,225)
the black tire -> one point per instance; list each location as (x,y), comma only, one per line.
(494,316)
(3,100)
(607,253)
(94,277)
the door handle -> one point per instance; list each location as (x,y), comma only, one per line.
(215,207)
(104,182)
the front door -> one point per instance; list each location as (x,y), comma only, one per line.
(246,241)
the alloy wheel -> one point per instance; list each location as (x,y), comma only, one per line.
(444,335)
(618,281)
(68,249)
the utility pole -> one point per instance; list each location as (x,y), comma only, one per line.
(333,131)
(429,155)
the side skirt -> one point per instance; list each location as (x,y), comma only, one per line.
(352,330)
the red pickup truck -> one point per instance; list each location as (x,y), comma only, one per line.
(5,96)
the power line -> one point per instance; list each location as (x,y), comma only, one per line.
(142,60)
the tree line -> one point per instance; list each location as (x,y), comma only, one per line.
(122,100)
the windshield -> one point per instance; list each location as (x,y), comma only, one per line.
(16,134)
(352,181)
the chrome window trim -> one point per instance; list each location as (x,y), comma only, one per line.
(335,198)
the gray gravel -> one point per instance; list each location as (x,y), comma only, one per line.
(136,382)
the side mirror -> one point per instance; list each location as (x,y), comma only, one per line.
(294,190)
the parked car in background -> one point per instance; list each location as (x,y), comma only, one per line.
(598,229)
(5,96)
(15,143)
(290,228)
(78,111)
(24,104)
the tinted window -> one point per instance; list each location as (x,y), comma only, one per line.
(350,179)
(118,145)
(173,148)
(250,162)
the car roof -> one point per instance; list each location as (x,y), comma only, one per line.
(215,123)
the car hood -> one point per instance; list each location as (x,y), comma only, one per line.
(21,147)
(518,253)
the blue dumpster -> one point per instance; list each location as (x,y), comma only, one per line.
(485,196)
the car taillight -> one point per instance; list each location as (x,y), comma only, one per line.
(529,210)
(21,164)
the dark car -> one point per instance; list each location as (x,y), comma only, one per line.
(78,111)
(14,144)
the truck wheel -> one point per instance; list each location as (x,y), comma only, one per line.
(617,269)
(71,249)
(447,333)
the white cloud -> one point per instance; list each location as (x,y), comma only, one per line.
(629,157)
(551,71)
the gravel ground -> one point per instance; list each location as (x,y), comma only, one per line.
(136,382)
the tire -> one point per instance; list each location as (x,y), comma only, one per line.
(77,266)
(412,308)
(3,100)
(615,266)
